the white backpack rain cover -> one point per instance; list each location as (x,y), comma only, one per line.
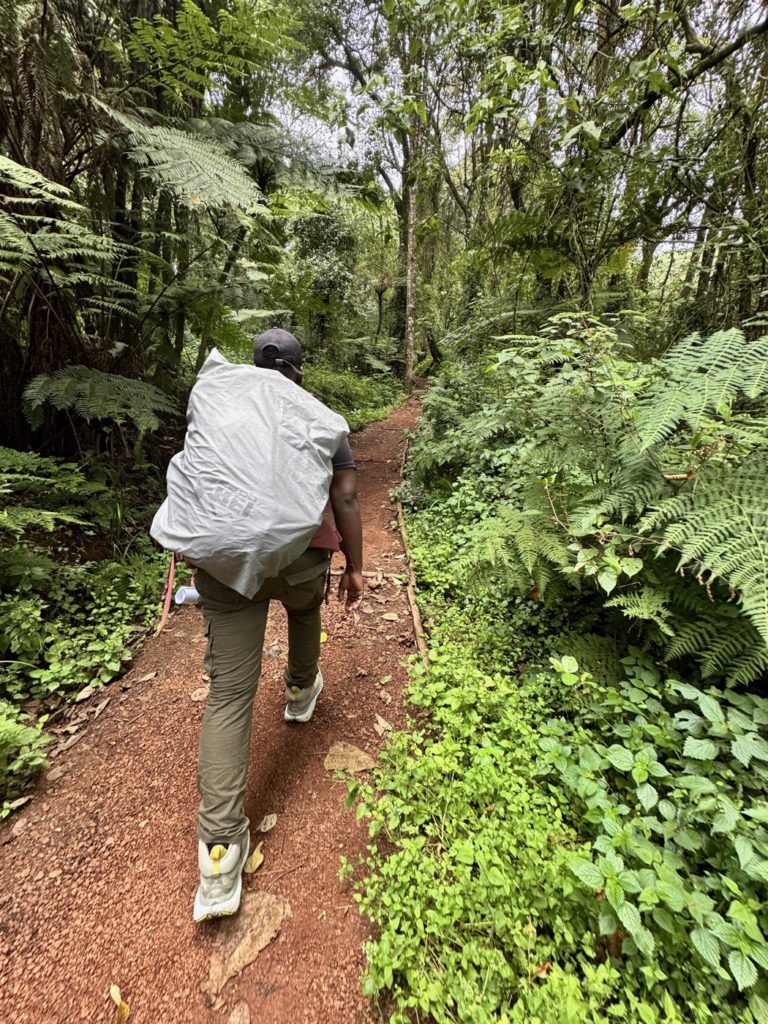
(248,491)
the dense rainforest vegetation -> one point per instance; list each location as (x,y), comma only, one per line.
(551,213)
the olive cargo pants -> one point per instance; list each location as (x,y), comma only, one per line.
(235,628)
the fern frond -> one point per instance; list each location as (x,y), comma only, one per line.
(721,526)
(95,395)
(648,604)
(521,549)
(196,170)
(700,377)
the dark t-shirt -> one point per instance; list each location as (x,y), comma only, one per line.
(326,536)
(343,457)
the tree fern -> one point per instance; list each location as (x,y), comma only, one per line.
(197,170)
(95,395)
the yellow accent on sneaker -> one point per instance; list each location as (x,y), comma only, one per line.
(216,854)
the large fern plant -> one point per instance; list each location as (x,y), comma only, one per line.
(646,481)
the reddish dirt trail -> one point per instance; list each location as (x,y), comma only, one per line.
(99,878)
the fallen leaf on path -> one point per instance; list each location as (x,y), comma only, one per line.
(346,757)
(391,617)
(123,1010)
(200,694)
(386,697)
(240,939)
(19,827)
(360,673)
(255,860)
(147,677)
(101,707)
(543,969)
(56,773)
(85,693)
(273,650)
(382,725)
(240,1015)
(15,804)
(267,822)
(366,608)
(384,680)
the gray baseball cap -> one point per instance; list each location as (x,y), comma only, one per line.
(277,349)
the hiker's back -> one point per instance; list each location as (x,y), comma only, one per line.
(248,490)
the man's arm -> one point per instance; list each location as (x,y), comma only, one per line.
(346,512)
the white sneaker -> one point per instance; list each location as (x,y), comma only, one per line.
(221,879)
(301,701)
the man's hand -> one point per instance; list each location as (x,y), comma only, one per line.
(351,587)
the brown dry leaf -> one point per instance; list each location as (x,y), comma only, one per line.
(19,827)
(391,617)
(123,1010)
(255,860)
(360,673)
(85,693)
(386,697)
(56,773)
(200,694)
(240,939)
(147,677)
(101,707)
(240,1015)
(15,804)
(366,608)
(382,725)
(268,822)
(346,757)
(543,969)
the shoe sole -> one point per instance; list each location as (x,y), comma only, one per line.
(228,907)
(305,715)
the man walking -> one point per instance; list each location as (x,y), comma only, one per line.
(235,628)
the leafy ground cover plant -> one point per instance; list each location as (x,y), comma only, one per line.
(577,831)
(66,619)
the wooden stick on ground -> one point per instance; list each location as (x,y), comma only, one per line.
(418,623)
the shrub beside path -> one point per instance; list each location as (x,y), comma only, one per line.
(99,869)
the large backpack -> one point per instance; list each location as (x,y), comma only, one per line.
(248,491)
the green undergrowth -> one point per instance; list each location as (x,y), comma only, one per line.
(561,850)
(575,826)
(360,399)
(73,601)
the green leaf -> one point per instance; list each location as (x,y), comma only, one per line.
(587,872)
(744,748)
(631,566)
(647,795)
(629,916)
(702,750)
(742,969)
(711,709)
(707,946)
(569,664)
(727,818)
(614,893)
(607,580)
(744,851)
(620,758)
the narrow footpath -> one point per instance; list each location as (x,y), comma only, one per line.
(99,870)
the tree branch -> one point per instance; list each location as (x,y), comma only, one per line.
(712,61)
